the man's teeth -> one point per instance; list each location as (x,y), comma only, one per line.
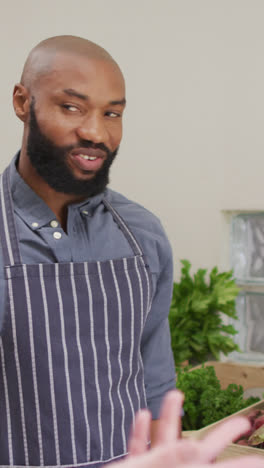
(89,158)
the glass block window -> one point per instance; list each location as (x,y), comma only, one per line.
(247,261)
(247,247)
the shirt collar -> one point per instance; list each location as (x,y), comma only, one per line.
(32,209)
(90,204)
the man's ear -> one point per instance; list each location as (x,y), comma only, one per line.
(21,102)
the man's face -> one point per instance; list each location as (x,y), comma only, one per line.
(75,124)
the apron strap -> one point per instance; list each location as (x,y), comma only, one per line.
(124,228)
(8,234)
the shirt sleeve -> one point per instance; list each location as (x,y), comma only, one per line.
(159,368)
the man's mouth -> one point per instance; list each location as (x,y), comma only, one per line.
(90,152)
(88,159)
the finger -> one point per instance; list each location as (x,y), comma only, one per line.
(140,433)
(221,436)
(169,427)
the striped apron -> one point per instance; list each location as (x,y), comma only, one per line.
(71,373)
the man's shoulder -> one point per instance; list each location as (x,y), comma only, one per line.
(146,227)
(132,212)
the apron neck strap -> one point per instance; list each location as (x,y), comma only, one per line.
(124,228)
(8,233)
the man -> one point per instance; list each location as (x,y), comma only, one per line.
(86,274)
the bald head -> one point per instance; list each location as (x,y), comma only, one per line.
(42,58)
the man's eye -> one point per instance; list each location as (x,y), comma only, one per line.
(113,114)
(70,107)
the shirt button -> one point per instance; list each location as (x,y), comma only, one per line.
(57,235)
(34,225)
(54,223)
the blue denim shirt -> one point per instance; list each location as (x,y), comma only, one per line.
(92,235)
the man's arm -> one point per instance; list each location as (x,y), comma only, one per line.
(159,368)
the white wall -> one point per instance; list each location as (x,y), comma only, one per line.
(193,142)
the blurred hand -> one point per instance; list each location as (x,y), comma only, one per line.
(172,452)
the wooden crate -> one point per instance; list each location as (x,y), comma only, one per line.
(250,377)
(233,450)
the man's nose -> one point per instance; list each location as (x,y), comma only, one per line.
(93,129)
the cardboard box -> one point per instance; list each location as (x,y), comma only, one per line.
(251,378)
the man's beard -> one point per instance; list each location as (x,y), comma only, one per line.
(50,163)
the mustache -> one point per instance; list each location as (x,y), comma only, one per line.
(89,144)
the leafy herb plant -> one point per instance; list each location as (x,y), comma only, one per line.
(196,323)
(205,402)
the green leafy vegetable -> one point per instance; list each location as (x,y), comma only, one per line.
(205,401)
(196,324)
